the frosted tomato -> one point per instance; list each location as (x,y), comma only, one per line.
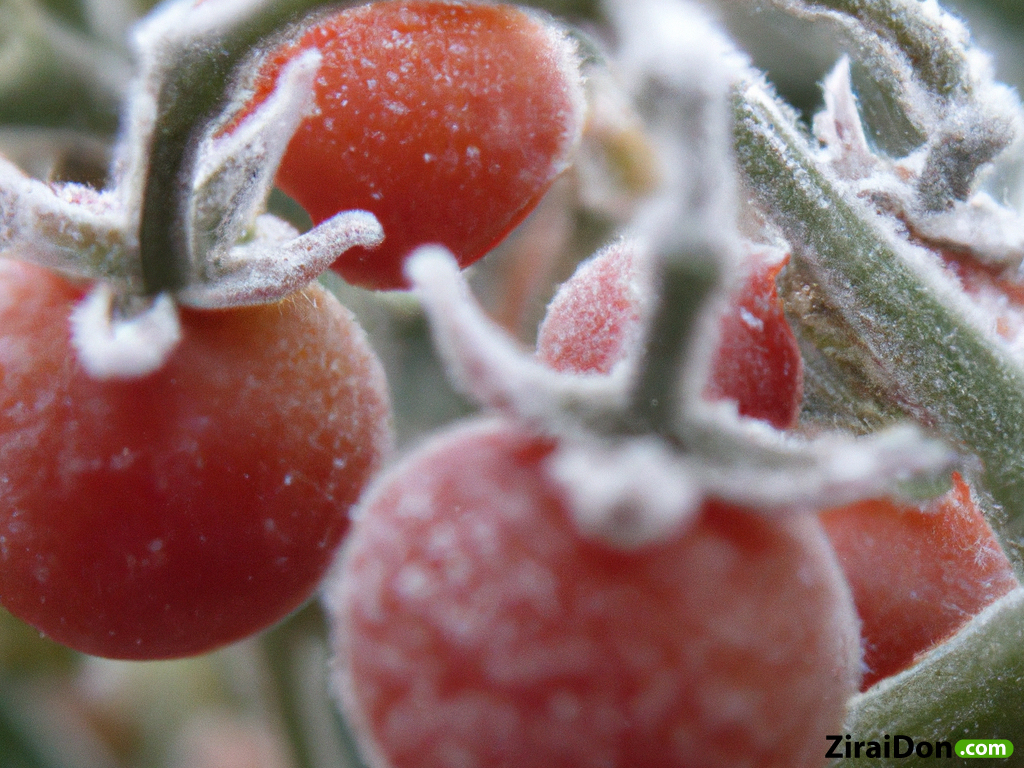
(475,626)
(447,120)
(918,573)
(168,515)
(591,321)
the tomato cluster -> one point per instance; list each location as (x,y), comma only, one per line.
(476,622)
(917,573)
(166,514)
(469,591)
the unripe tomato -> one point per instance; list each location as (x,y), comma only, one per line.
(168,515)
(595,315)
(474,625)
(447,120)
(918,573)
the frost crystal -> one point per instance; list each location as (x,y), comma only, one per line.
(279,261)
(114,348)
(235,171)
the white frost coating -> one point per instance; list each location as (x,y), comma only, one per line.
(924,262)
(66,227)
(682,72)
(180,23)
(964,115)
(941,282)
(278,261)
(680,69)
(838,127)
(585,305)
(639,489)
(235,172)
(564,55)
(919,105)
(158,42)
(489,366)
(627,494)
(993,232)
(122,349)
(675,42)
(797,475)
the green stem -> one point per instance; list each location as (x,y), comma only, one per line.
(922,68)
(939,64)
(190,96)
(296,650)
(685,282)
(951,375)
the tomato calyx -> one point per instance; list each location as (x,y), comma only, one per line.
(183,220)
(973,221)
(123,342)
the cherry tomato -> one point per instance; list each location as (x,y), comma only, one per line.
(918,573)
(447,120)
(168,515)
(594,317)
(999,292)
(475,626)
(590,324)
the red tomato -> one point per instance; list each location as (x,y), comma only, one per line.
(998,291)
(475,626)
(168,515)
(447,120)
(590,322)
(917,573)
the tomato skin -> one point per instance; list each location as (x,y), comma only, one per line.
(918,573)
(474,625)
(168,515)
(757,363)
(594,317)
(447,120)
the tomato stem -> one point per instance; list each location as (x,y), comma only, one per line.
(685,283)
(938,62)
(190,95)
(296,653)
